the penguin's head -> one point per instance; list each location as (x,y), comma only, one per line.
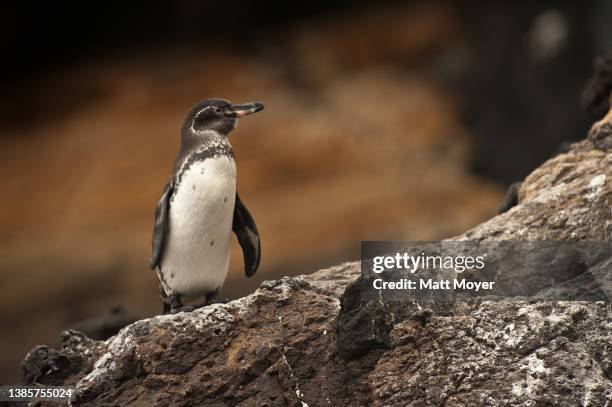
(218,115)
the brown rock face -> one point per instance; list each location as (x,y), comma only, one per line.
(286,343)
(270,347)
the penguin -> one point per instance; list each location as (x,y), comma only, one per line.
(200,207)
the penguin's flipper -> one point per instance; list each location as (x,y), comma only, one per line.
(246,231)
(161,224)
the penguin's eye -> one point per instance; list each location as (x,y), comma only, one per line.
(217,110)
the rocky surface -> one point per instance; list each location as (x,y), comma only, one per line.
(313,341)
(270,347)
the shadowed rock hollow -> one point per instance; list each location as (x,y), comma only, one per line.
(286,344)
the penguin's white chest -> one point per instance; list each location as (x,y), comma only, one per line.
(197,252)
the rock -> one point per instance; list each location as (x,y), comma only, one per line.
(500,353)
(315,340)
(597,92)
(511,198)
(64,366)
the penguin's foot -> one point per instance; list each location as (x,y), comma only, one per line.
(200,305)
(211,297)
(213,301)
(184,308)
(218,300)
(175,305)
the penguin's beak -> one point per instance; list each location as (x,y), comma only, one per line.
(243,110)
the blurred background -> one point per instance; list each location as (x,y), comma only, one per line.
(383,120)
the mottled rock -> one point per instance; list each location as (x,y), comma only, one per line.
(64,366)
(500,353)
